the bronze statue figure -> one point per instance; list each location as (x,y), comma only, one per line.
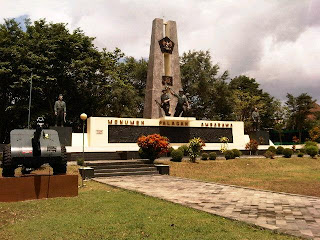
(182,104)
(60,111)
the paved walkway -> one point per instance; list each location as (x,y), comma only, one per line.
(294,214)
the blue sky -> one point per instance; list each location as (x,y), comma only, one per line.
(275,41)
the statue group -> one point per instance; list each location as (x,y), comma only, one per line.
(182,104)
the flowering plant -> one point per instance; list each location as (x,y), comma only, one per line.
(153,145)
(224,139)
(194,148)
(252,146)
(224,144)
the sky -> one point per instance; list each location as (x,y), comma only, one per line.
(277,42)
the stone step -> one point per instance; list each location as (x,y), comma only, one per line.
(111,166)
(92,156)
(143,169)
(113,174)
(116,162)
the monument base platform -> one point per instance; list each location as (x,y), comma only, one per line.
(30,187)
(65,135)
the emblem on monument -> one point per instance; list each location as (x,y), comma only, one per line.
(167,80)
(166,45)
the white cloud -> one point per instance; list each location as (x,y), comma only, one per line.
(277,42)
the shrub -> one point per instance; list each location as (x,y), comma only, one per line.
(252,146)
(204,156)
(314,133)
(184,149)
(300,154)
(153,145)
(170,151)
(287,152)
(236,153)
(142,154)
(176,155)
(302,150)
(279,150)
(312,150)
(269,154)
(194,148)
(81,162)
(228,154)
(212,156)
(272,149)
(310,143)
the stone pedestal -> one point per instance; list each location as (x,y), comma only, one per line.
(163,169)
(86,172)
(65,135)
(30,187)
(262,137)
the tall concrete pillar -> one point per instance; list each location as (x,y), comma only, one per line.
(161,64)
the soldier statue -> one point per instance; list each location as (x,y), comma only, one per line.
(165,102)
(182,104)
(256,119)
(60,111)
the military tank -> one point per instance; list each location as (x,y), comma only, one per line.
(31,148)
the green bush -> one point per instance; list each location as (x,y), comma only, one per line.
(269,154)
(204,156)
(287,152)
(184,149)
(142,154)
(302,150)
(236,153)
(212,156)
(81,162)
(310,143)
(176,155)
(272,149)
(312,150)
(300,154)
(228,154)
(279,150)
(169,151)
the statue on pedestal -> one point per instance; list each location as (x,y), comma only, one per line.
(60,111)
(182,104)
(165,102)
(256,119)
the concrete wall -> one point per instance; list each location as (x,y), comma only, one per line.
(98,131)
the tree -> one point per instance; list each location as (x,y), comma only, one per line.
(298,110)
(135,72)
(279,114)
(61,62)
(248,95)
(210,96)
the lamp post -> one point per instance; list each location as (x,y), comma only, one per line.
(83,117)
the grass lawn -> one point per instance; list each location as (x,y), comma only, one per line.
(292,175)
(103,212)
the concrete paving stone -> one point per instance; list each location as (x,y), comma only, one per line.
(294,214)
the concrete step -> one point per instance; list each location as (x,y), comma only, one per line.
(111,166)
(113,174)
(142,169)
(115,162)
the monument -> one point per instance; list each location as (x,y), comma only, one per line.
(164,98)
(163,67)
